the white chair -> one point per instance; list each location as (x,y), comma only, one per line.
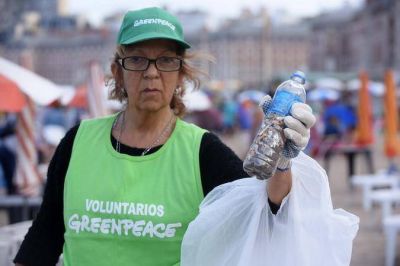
(391,227)
(369,182)
(386,198)
(11,237)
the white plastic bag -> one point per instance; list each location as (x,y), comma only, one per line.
(236,227)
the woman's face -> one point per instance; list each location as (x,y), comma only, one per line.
(151,90)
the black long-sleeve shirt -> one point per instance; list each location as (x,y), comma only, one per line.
(45,239)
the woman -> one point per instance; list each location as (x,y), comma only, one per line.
(122,189)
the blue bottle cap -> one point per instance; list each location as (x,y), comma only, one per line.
(299,76)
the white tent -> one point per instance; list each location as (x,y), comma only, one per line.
(39,91)
(42,91)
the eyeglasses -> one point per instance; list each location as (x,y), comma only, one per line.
(140,63)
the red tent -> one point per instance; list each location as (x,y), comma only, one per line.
(11,98)
(20,91)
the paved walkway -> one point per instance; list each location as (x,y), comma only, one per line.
(369,245)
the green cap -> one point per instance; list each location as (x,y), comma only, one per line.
(150,23)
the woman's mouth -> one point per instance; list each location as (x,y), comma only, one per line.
(150,90)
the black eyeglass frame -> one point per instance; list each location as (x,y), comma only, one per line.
(121,62)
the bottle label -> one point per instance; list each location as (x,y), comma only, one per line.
(282,102)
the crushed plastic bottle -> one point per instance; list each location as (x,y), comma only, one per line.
(266,150)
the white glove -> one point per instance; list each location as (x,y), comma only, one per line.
(297,132)
(298,124)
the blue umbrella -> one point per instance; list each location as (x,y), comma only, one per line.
(251,95)
(323,95)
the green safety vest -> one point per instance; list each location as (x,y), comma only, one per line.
(129,210)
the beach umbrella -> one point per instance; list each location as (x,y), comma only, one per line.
(364,131)
(329,83)
(197,101)
(53,134)
(376,88)
(251,95)
(354,84)
(391,116)
(75,97)
(78,98)
(323,95)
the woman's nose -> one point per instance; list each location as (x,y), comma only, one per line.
(151,71)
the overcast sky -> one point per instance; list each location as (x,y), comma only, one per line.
(96,9)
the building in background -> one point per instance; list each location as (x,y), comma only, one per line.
(250,50)
(61,46)
(13,12)
(197,32)
(330,41)
(290,48)
(253,50)
(350,40)
(396,10)
(240,47)
(63,55)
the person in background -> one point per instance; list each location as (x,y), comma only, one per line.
(8,160)
(229,115)
(245,115)
(7,147)
(122,189)
(209,119)
(340,119)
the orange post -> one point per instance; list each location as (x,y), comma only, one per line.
(364,134)
(391,116)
